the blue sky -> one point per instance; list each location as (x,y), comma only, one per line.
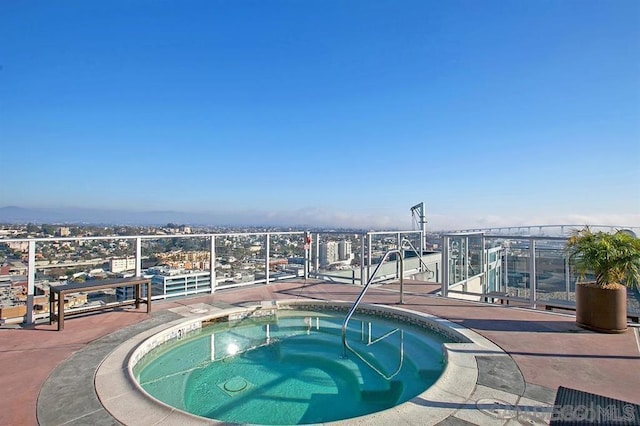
(326,112)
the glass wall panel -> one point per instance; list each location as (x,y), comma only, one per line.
(286,257)
(517,268)
(458,258)
(337,256)
(240,259)
(551,281)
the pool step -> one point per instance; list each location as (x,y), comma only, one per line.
(430,374)
(324,352)
(384,395)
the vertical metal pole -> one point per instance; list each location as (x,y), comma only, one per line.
(532,273)
(399,245)
(266,261)
(31,282)
(484,256)
(401,278)
(212,263)
(370,252)
(138,257)
(567,278)
(445,266)
(317,253)
(362,257)
(467,254)
(506,269)
(307,254)
(424,225)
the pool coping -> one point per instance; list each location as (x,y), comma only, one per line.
(123,398)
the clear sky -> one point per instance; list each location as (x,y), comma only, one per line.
(328,112)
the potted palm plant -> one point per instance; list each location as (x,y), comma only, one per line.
(612,262)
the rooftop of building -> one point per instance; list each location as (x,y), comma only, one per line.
(543,351)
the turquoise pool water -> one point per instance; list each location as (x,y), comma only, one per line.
(289,368)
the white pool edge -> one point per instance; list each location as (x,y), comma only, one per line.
(127,402)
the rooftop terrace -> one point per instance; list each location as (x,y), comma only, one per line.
(48,376)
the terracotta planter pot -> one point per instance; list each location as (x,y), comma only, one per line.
(600,309)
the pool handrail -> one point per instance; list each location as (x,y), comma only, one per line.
(404,240)
(345,345)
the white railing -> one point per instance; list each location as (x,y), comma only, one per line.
(528,270)
(261,249)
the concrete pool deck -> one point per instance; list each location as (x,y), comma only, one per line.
(48,376)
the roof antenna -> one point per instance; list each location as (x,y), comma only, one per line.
(418,213)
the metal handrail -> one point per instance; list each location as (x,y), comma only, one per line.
(346,346)
(404,240)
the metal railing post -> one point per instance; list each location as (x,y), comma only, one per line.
(266,260)
(31,282)
(362,259)
(306,241)
(532,273)
(369,261)
(138,256)
(444,288)
(567,278)
(212,263)
(317,263)
(399,245)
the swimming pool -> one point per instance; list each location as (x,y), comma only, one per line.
(286,366)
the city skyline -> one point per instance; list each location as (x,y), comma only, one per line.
(325,113)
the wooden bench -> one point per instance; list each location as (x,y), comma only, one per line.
(57,294)
(550,305)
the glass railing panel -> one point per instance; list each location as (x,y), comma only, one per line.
(337,254)
(551,276)
(286,255)
(633,299)
(178,265)
(475,254)
(517,267)
(13,282)
(59,262)
(240,259)
(408,242)
(458,259)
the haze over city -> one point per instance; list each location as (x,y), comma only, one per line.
(324,113)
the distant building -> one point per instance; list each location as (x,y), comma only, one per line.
(172,284)
(14,267)
(328,253)
(63,231)
(21,246)
(344,250)
(181,285)
(129,293)
(335,252)
(121,264)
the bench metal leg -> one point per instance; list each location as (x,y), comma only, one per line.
(137,287)
(149,298)
(60,316)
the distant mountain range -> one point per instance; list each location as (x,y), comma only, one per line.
(14,215)
(249,218)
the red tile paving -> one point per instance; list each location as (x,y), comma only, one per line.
(548,348)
